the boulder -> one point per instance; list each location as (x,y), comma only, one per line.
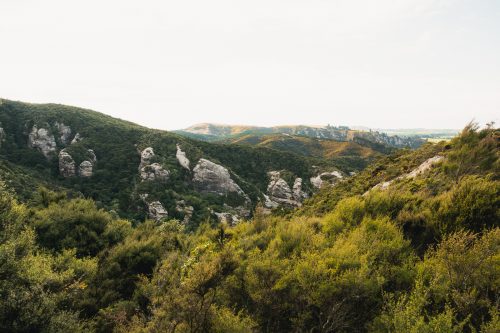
(181,158)
(66,164)
(43,140)
(85,169)
(210,177)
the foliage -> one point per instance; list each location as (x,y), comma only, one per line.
(422,255)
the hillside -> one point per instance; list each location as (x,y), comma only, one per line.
(350,155)
(410,244)
(138,172)
(215,132)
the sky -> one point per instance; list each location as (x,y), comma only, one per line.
(170,64)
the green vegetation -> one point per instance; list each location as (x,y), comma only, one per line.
(423,255)
(115,184)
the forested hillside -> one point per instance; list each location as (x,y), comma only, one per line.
(410,244)
(138,172)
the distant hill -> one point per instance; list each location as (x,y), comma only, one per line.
(214,132)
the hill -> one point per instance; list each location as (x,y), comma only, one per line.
(139,172)
(214,132)
(411,243)
(350,155)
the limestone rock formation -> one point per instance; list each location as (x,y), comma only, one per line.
(326,178)
(146,156)
(279,192)
(85,169)
(425,166)
(151,171)
(43,140)
(297,192)
(156,211)
(92,156)
(66,164)
(64,131)
(210,177)
(181,158)
(154,172)
(77,138)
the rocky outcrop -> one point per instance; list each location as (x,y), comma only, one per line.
(297,193)
(64,131)
(210,177)
(326,178)
(92,156)
(85,169)
(43,140)
(181,158)
(151,171)
(146,156)
(77,138)
(156,211)
(425,166)
(187,211)
(429,163)
(154,172)
(66,164)
(280,193)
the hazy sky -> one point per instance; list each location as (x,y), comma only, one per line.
(169,64)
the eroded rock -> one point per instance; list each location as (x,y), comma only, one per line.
(66,164)
(181,158)
(280,193)
(77,138)
(85,169)
(92,156)
(210,177)
(297,192)
(425,166)
(156,211)
(151,171)
(326,178)
(146,156)
(43,140)
(154,172)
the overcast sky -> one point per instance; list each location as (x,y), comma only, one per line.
(169,64)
